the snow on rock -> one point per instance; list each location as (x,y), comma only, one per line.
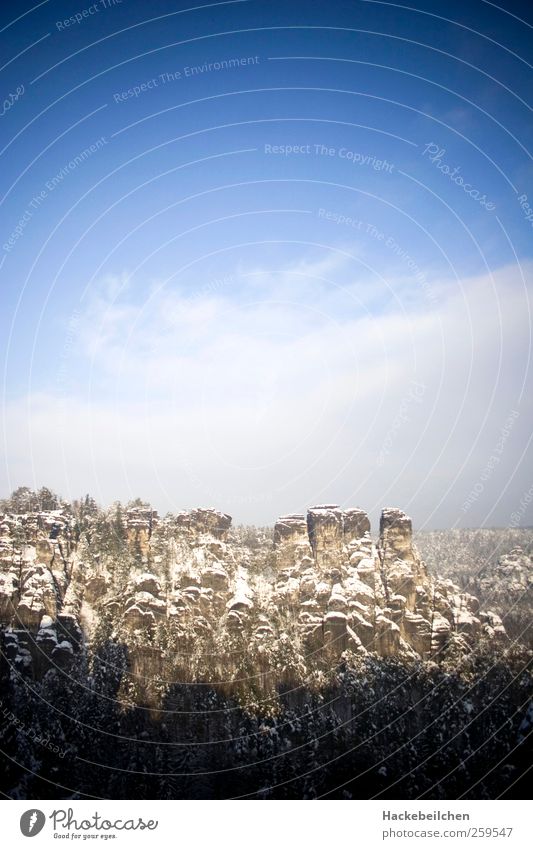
(183,596)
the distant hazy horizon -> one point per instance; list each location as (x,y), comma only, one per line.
(302,510)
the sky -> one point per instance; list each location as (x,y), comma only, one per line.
(264,255)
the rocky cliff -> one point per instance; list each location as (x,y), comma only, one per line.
(181,657)
(191,602)
(495,565)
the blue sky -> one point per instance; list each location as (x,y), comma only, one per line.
(260,255)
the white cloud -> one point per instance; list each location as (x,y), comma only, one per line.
(261,397)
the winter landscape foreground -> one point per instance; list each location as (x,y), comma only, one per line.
(182,657)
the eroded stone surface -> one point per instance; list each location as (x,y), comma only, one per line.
(181,595)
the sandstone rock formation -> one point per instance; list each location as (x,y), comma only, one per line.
(493,564)
(180,595)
